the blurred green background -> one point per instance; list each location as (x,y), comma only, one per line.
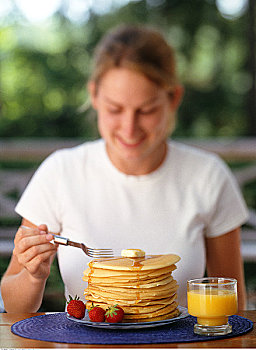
(46,51)
(46,54)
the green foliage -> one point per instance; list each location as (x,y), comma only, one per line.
(44,69)
(54,299)
(250,194)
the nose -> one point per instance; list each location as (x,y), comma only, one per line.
(129,124)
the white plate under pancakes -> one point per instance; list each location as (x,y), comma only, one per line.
(129,325)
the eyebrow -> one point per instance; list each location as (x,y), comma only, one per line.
(147,102)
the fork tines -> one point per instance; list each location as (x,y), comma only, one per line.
(103,250)
(100,253)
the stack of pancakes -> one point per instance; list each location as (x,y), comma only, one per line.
(143,287)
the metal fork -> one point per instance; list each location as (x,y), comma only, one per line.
(92,252)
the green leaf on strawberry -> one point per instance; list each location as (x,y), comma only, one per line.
(114,314)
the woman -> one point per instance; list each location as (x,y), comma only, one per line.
(133,188)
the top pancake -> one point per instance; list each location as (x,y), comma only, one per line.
(148,262)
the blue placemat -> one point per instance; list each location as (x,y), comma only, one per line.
(57,328)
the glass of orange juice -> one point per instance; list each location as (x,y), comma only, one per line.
(212,300)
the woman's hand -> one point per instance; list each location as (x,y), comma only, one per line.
(34,251)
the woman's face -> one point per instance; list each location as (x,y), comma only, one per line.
(134,117)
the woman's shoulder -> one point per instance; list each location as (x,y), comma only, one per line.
(77,153)
(80,150)
(68,159)
(192,154)
(207,166)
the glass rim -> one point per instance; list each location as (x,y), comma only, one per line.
(213,281)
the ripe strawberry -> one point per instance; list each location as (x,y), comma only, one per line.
(96,314)
(76,307)
(114,314)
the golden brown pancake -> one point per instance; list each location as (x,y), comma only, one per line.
(130,303)
(162,311)
(149,262)
(143,287)
(99,272)
(132,283)
(172,314)
(125,275)
(141,308)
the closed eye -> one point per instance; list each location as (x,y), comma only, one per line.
(114,110)
(149,110)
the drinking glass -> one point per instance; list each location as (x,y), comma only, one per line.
(212,300)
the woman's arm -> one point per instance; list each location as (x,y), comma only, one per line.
(23,284)
(224,260)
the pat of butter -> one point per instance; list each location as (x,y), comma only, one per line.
(133,253)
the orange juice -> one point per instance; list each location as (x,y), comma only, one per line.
(212,307)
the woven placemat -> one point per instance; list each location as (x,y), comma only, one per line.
(57,328)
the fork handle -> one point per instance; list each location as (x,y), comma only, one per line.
(60,240)
(65,241)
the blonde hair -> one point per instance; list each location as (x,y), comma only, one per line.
(138,48)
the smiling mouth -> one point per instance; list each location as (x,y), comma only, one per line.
(130,143)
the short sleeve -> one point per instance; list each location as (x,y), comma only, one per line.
(39,201)
(226,206)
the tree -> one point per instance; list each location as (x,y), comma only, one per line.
(44,70)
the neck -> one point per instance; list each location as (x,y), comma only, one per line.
(138,166)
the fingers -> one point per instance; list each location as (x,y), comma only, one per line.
(33,247)
(39,266)
(43,227)
(36,251)
(30,237)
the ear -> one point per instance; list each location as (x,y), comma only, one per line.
(92,93)
(177,97)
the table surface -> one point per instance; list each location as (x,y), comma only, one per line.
(10,340)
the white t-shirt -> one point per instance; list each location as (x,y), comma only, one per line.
(79,193)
